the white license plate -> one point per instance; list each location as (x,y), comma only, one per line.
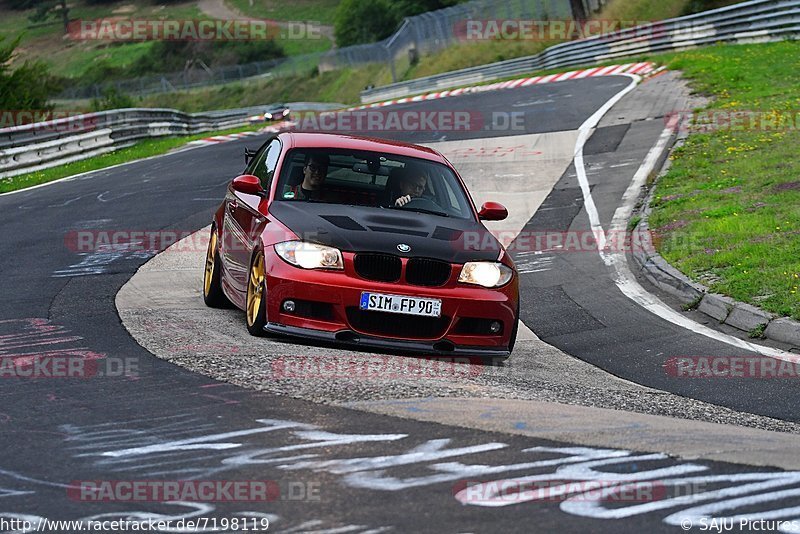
(401,304)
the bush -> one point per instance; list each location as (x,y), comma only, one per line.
(28,86)
(364,21)
(112,99)
(368,21)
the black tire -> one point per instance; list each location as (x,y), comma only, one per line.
(213,295)
(256,312)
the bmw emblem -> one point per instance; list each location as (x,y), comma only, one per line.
(402,247)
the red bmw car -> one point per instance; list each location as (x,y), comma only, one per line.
(363,242)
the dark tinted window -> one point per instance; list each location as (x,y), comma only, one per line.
(373,179)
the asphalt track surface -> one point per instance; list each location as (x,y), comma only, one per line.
(170,424)
(576,306)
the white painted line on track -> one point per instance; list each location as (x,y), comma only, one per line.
(623,278)
(627,283)
(584,132)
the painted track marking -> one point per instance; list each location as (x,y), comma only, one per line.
(621,274)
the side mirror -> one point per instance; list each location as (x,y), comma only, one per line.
(492,211)
(247,184)
(248,155)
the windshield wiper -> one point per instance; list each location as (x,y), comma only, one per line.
(423,210)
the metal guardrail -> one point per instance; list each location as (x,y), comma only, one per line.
(754,21)
(32,147)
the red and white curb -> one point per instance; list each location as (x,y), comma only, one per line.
(629,68)
(221,138)
(278,127)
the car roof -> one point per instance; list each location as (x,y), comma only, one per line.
(355,142)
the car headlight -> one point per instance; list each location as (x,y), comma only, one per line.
(485,273)
(310,255)
(268,116)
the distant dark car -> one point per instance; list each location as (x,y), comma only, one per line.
(277,112)
(274,113)
(347,264)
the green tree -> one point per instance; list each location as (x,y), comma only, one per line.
(367,21)
(26,87)
(364,21)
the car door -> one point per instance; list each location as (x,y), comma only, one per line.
(244,221)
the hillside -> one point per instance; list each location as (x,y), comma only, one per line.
(71,58)
(87,62)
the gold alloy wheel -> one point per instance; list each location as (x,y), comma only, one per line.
(208,275)
(255,289)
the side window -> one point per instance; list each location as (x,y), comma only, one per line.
(451,197)
(273,152)
(447,197)
(251,167)
(264,164)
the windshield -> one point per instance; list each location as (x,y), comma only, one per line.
(372,179)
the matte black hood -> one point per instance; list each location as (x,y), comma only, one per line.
(365,229)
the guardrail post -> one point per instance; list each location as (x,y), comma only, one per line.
(578,11)
(390,60)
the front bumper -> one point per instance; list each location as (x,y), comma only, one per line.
(348,337)
(340,292)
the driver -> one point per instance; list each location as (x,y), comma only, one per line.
(412,184)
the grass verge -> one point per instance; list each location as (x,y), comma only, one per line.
(342,86)
(727,214)
(142,149)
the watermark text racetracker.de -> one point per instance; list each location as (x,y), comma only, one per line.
(66,364)
(759,367)
(726,120)
(45,120)
(151,524)
(512,491)
(193,490)
(548,30)
(135,30)
(139,240)
(386,120)
(113,241)
(375,367)
(554,241)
